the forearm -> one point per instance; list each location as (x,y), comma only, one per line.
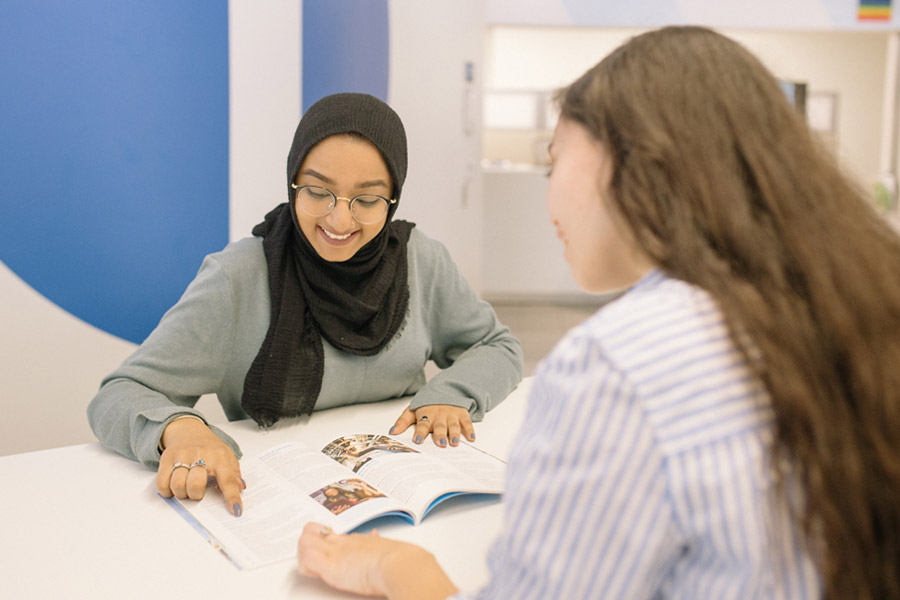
(130,419)
(485,374)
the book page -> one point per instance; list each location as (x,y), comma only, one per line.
(287,487)
(418,475)
(352,480)
(346,496)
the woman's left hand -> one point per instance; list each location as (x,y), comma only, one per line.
(370,565)
(445,423)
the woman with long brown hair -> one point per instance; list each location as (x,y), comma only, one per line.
(731,418)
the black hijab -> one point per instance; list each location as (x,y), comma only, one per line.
(357,305)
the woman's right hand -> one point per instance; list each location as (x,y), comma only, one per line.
(371,565)
(193,454)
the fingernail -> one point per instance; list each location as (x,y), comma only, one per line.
(237,509)
(418,439)
(471,437)
(391,432)
(244,483)
(443,441)
(455,440)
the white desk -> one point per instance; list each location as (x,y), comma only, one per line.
(82,521)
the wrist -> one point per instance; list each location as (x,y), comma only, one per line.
(178,426)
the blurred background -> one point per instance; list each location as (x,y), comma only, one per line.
(137,137)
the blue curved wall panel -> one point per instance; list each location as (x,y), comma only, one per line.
(114,153)
(114,134)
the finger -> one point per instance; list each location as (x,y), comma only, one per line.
(311,540)
(439,433)
(312,530)
(406,419)
(467,429)
(231,484)
(195,484)
(178,482)
(453,432)
(164,475)
(423,428)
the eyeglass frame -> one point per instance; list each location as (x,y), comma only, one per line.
(335,198)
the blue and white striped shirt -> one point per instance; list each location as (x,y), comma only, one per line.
(641,469)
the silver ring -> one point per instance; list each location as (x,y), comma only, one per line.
(325,531)
(179,465)
(198,463)
(423,418)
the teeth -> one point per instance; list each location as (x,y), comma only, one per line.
(337,237)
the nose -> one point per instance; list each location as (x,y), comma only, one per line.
(340,218)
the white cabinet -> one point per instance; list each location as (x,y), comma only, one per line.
(523,259)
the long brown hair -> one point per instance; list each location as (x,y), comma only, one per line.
(724,186)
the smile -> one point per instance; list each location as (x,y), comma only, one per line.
(335,236)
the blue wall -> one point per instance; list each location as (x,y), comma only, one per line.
(114,159)
(345,48)
(114,121)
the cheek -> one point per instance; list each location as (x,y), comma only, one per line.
(586,233)
(555,200)
(370,231)
(305,222)
(308,227)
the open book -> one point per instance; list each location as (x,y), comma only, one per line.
(352,480)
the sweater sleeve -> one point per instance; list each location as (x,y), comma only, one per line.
(481,360)
(182,359)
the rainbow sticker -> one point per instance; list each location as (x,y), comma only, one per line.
(874,10)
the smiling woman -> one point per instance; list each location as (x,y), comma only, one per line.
(331,302)
(339,225)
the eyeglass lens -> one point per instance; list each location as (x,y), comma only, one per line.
(318,202)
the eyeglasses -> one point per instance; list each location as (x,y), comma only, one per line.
(317,201)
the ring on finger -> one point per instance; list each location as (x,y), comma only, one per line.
(180,465)
(198,463)
(423,418)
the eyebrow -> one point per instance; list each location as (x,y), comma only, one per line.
(330,181)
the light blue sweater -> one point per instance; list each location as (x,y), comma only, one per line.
(207,341)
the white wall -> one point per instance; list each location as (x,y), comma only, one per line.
(431,42)
(264,55)
(822,15)
(524,260)
(849,63)
(50,366)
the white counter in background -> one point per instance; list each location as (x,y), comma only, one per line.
(523,259)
